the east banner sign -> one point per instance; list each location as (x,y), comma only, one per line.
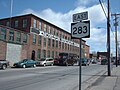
(80,16)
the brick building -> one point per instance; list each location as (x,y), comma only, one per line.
(87,49)
(29,36)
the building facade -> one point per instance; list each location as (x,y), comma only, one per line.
(29,36)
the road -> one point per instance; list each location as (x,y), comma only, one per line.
(49,77)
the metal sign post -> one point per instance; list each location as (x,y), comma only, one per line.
(80,29)
(80,64)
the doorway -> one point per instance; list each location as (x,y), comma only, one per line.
(33,55)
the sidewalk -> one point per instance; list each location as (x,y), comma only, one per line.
(108,82)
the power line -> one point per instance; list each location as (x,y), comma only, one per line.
(102,8)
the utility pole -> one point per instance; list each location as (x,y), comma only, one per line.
(116,41)
(108,39)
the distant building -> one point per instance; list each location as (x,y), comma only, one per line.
(29,36)
(87,50)
(101,55)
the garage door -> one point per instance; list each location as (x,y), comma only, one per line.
(13,53)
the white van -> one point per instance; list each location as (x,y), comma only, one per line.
(45,62)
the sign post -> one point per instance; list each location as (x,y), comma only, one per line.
(80,29)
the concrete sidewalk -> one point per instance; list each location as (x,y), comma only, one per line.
(107,82)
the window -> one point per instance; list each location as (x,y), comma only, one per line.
(56,33)
(11,35)
(52,54)
(3,34)
(8,23)
(53,43)
(56,44)
(60,35)
(49,29)
(39,39)
(40,26)
(45,28)
(56,53)
(44,42)
(18,37)
(16,23)
(68,47)
(34,39)
(35,23)
(24,23)
(24,38)
(49,42)
(44,53)
(63,45)
(48,55)
(82,46)
(60,44)
(63,36)
(39,54)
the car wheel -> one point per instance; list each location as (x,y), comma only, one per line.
(52,64)
(34,65)
(66,64)
(4,66)
(24,66)
(44,64)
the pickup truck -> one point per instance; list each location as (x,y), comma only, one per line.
(4,64)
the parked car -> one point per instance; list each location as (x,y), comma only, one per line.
(4,64)
(25,63)
(45,62)
(84,62)
(56,61)
(94,61)
(104,62)
(67,58)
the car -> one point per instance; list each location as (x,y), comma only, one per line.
(67,59)
(4,64)
(84,62)
(25,63)
(45,62)
(104,62)
(94,61)
(56,61)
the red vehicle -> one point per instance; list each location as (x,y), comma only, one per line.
(56,61)
(67,59)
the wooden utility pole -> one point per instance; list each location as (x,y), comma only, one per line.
(116,41)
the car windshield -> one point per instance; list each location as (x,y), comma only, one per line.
(83,59)
(63,55)
(104,60)
(43,59)
(24,60)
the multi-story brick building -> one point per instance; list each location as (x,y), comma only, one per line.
(87,49)
(29,36)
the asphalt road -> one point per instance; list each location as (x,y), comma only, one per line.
(49,78)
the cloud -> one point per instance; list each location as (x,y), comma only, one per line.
(63,20)
(82,2)
(97,40)
(85,3)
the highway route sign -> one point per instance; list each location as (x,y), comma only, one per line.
(80,29)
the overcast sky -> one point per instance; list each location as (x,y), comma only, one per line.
(59,13)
